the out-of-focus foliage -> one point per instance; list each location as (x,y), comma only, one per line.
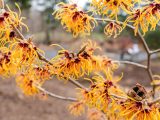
(153,39)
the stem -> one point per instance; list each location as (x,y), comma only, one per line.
(116,96)
(54,95)
(77,84)
(155,51)
(144,43)
(131,63)
(109,20)
(18,32)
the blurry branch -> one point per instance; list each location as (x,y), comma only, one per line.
(55,95)
(155,51)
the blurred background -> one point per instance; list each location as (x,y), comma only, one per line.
(45,30)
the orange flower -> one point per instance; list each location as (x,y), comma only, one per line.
(76,108)
(113,28)
(75,20)
(111,8)
(145,18)
(27,85)
(75,65)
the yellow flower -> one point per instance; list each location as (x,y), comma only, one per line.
(145,18)
(23,52)
(76,108)
(75,65)
(113,29)
(98,95)
(7,66)
(131,110)
(14,19)
(41,73)
(75,20)
(26,83)
(7,20)
(33,77)
(111,8)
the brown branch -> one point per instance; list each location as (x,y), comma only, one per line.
(18,32)
(131,63)
(76,83)
(109,20)
(144,42)
(55,95)
(116,96)
(155,51)
(44,59)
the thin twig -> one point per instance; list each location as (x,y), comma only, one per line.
(109,20)
(119,97)
(44,59)
(131,63)
(155,51)
(18,32)
(76,83)
(55,95)
(144,42)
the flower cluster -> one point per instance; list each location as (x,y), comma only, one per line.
(6,65)
(131,109)
(34,77)
(9,18)
(75,20)
(99,93)
(111,8)
(75,65)
(24,52)
(102,97)
(113,28)
(145,18)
